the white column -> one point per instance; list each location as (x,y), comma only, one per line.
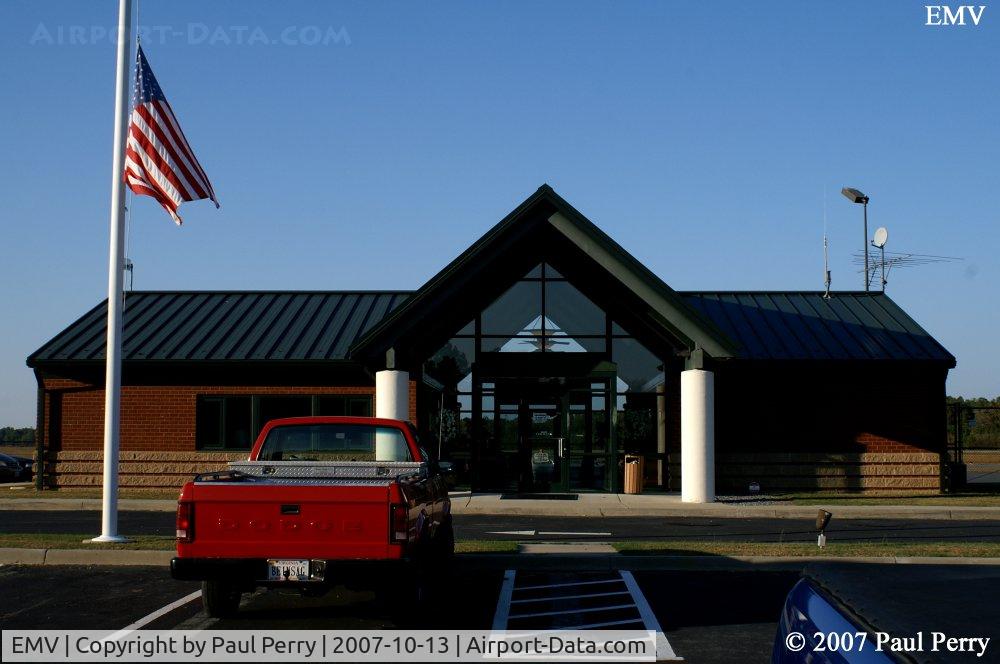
(392,394)
(392,401)
(697,436)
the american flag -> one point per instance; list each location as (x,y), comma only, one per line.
(159,162)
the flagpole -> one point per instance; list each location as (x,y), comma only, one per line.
(116,263)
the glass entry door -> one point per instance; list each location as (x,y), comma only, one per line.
(545,436)
(588,439)
(543,445)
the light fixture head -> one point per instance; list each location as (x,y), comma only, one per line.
(854,195)
(822,520)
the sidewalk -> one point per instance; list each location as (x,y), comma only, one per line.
(594,505)
(670,505)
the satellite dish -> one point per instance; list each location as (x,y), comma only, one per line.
(881,237)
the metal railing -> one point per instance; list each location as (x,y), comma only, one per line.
(974,441)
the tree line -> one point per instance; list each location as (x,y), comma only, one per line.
(15,436)
(978,419)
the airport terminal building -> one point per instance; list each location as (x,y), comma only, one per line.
(534,362)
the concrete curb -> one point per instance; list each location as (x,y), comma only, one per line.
(498,561)
(602,563)
(116,557)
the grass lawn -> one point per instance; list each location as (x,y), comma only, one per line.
(485,546)
(966,499)
(30,492)
(26,451)
(51,541)
(846,549)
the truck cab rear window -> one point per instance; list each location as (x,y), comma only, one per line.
(334,442)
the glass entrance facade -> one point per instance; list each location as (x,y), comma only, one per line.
(542,391)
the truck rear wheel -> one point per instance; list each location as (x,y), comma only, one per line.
(445,543)
(220,599)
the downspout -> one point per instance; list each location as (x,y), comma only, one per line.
(40,435)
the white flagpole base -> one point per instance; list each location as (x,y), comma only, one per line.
(105,539)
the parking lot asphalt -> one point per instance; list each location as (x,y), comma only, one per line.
(549,528)
(718,616)
(84,597)
(707,616)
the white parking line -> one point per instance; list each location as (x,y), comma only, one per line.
(569,583)
(556,598)
(664,651)
(576,610)
(142,622)
(503,601)
(503,616)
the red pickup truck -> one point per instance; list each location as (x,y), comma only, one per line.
(320,501)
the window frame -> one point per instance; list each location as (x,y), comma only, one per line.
(256,424)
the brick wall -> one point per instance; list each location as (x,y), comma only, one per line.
(836,410)
(874,428)
(157,430)
(868,472)
(153,418)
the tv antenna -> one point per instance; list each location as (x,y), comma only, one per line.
(890,259)
(826,253)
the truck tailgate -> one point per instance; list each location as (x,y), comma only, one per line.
(262,520)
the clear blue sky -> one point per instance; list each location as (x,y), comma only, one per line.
(700,135)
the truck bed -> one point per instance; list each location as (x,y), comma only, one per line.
(261,509)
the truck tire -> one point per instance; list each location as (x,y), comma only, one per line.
(220,599)
(445,541)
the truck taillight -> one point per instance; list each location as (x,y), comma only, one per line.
(399,525)
(185,522)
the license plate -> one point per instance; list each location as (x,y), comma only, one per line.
(287,570)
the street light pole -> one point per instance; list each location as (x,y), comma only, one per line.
(866,242)
(856,196)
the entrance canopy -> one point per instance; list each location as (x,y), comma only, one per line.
(550,348)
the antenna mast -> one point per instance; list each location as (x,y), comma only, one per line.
(826,253)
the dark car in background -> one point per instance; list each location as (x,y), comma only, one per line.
(15,468)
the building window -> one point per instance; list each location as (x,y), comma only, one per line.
(543,313)
(224,423)
(340,404)
(233,422)
(273,408)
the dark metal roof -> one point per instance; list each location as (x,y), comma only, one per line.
(318,326)
(807,326)
(219,326)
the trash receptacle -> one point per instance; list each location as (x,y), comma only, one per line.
(633,473)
